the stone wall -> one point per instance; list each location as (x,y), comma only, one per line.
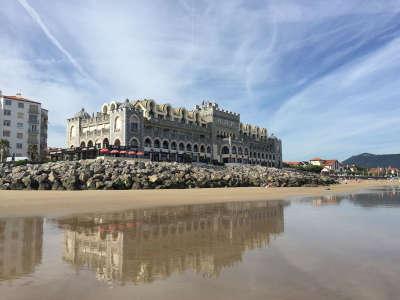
(123,174)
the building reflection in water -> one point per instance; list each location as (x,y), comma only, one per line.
(20,246)
(386,197)
(147,244)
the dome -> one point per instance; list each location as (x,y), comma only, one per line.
(82,114)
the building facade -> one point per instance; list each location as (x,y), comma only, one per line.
(205,134)
(23,123)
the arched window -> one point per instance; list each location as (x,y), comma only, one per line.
(147,143)
(208,149)
(106,143)
(173,146)
(202,149)
(258,155)
(195,148)
(246,151)
(225,150)
(262,156)
(165,145)
(233,150)
(72,132)
(134,143)
(156,143)
(240,151)
(117,143)
(188,147)
(133,123)
(117,124)
(90,143)
(181,147)
(83,145)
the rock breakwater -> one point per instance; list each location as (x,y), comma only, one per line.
(120,174)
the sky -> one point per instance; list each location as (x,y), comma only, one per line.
(324,76)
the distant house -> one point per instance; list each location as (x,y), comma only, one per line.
(328,165)
(317,161)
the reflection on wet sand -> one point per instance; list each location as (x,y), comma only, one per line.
(143,245)
(381,198)
(20,246)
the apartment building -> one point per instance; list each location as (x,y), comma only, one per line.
(23,122)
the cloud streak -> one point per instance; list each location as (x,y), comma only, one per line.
(38,20)
(322,75)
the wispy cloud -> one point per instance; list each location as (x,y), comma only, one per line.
(323,75)
(36,17)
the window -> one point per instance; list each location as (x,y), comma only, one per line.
(20,135)
(6,133)
(20,115)
(7,123)
(7,102)
(34,128)
(21,105)
(134,126)
(33,118)
(33,108)
(19,145)
(20,125)
(7,112)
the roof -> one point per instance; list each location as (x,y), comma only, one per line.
(330,162)
(19,98)
(293,163)
(316,159)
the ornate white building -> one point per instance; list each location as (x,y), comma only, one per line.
(206,133)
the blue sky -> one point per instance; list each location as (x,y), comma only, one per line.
(322,75)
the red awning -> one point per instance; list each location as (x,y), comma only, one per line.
(140,153)
(132,152)
(104,150)
(114,152)
(123,152)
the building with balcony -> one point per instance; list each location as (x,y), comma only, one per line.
(163,133)
(23,122)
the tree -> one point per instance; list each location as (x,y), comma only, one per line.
(33,152)
(4,149)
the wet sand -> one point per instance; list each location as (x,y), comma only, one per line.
(59,203)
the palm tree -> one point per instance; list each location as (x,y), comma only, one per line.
(33,152)
(4,148)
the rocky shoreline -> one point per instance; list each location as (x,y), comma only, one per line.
(126,174)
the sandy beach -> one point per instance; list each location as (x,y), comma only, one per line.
(59,203)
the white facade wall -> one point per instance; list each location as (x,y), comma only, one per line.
(15,125)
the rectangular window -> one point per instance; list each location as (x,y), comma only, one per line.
(19,145)
(134,126)
(7,102)
(33,108)
(33,128)
(20,125)
(7,123)
(7,112)
(20,115)
(6,133)
(33,118)
(20,135)
(21,105)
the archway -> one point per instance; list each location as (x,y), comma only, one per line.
(134,143)
(83,145)
(225,150)
(90,143)
(156,143)
(147,143)
(117,143)
(165,145)
(106,143)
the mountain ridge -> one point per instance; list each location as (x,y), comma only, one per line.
(369,160)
